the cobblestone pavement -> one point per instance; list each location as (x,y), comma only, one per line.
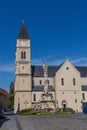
(51,122)
(8,123)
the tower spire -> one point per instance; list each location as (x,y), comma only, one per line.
(23,34)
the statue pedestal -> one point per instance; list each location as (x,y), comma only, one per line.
(47,102)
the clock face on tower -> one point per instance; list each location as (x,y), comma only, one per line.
(23,43)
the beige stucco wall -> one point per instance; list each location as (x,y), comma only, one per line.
(37,80)
(84,81)
(68,87)
(23,82)
(24,99)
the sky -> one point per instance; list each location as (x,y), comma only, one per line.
(57,29)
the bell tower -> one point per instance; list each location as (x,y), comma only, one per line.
(22,71)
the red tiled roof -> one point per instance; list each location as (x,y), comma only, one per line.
(3,92)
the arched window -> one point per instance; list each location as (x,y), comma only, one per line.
(34,97)
(22,55)
(74,81)
(83,96)
(75,100)
(40,82)
(62,82)
(48,82)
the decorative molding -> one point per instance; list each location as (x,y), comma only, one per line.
(23,91)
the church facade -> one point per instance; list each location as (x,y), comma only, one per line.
(67,83)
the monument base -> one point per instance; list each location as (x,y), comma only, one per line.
(46,104)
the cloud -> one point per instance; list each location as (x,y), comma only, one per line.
(51,60)
(58,60)
(79,61)
(7,68)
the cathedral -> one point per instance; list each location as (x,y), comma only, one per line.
(66,83)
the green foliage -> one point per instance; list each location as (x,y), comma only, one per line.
(60,112)
(69,110)
(29,111)
(65,111)
(11,100)
(45,113)
(11,95)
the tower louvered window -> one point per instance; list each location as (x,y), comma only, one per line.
(23,55)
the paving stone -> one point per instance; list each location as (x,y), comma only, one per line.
(48,122)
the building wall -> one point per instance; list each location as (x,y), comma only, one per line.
(84,81)
(22,82)
(67,91)
(37,80)
(22,100)
(3,101)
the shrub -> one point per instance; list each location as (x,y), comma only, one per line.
(65,111)
(44,113)
(28,112)
(69,110)
(60,112)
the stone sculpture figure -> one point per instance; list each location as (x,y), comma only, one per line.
(45,68)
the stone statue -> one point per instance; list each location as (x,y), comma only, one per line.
(45,68)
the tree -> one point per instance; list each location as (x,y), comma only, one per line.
(11,95)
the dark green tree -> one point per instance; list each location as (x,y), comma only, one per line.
(11,95)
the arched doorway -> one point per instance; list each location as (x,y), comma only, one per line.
(64,104)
